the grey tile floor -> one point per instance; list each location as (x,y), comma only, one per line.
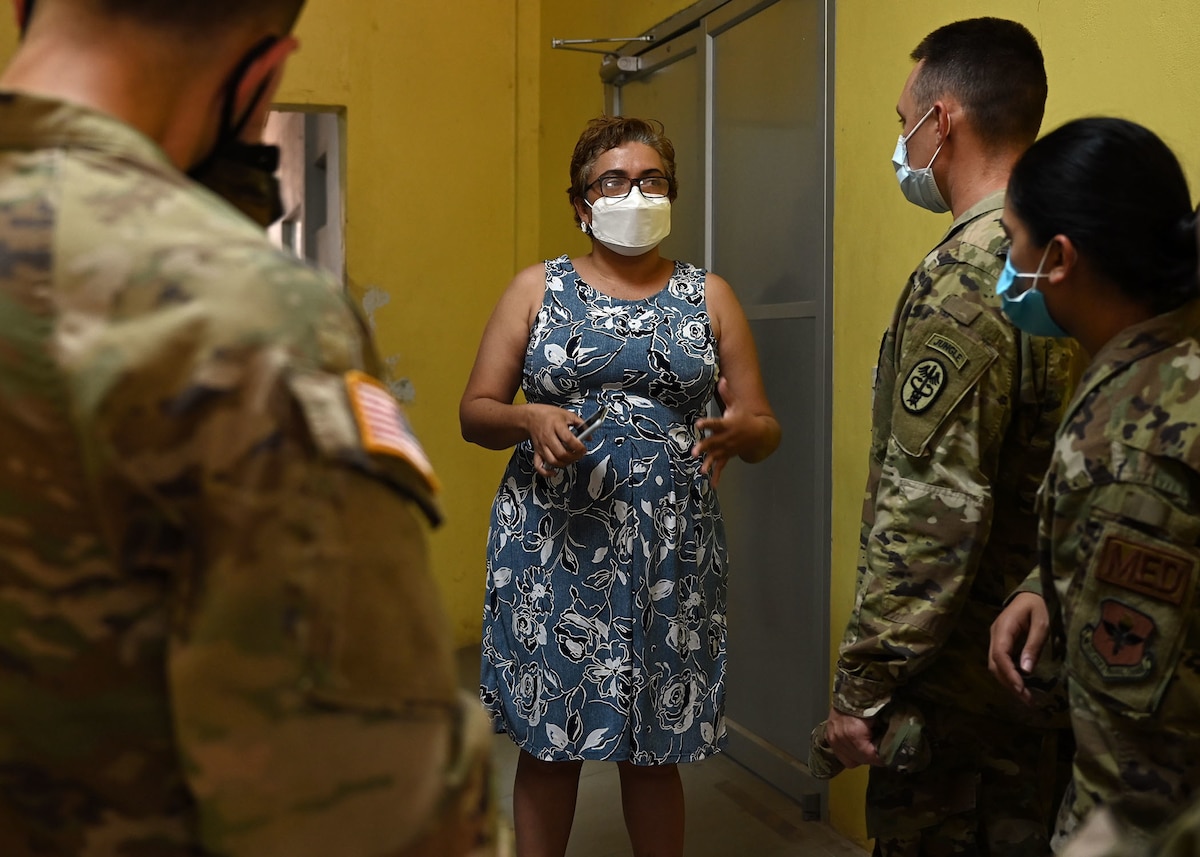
(730,811)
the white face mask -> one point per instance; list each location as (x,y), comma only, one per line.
(630,226)
(918,186)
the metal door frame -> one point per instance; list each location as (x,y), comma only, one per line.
(694,30)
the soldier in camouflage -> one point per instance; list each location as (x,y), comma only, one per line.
(1104,205)
(219,633)
(965,409)
(1102,835)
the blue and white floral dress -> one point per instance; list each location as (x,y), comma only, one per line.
(604,626)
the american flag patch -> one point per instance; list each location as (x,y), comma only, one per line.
(383,426)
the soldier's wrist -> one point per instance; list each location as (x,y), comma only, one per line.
(858,695)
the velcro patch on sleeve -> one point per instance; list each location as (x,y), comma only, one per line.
(935,375)
(1149,570)
(383,427)
(1131,618)
(951,349)
(1120,642)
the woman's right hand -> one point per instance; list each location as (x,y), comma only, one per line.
(554,446)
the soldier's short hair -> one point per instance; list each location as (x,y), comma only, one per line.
(199,15)
(1118,192)
(609,132)
(994,68)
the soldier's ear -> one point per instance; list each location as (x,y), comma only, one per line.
(942,109)
(1062,260)
(22,9)
(257,87)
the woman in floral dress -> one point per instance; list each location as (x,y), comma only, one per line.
(604,627)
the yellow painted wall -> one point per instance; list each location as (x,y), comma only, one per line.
(1140,60)
(431,125)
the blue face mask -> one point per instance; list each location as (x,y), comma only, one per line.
(918,186)
(1027,311)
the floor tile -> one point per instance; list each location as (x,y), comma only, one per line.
(730,811)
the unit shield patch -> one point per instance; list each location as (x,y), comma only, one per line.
(1118,642)
(923,386)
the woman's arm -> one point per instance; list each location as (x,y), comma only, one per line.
(486,413)
(748,428)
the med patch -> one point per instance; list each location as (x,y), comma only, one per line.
(1150,570)
(1132,615)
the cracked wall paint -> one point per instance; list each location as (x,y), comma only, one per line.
(403,389)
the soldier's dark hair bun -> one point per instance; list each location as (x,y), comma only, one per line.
(1118,192)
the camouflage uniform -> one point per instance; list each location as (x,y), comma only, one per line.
(1102,835)
(219,634)
(964,417)
(1120,549)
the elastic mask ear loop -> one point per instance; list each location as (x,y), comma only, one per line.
(231,129)
(235,129)
(28,18)
(936,151)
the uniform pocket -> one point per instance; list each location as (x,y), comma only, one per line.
(1132,616)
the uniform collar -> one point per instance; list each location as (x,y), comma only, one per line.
(31,122)
(1135,343)
(992,202)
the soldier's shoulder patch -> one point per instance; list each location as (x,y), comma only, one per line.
(1133,614)
(383,427)
(1118,642)
(938,369)
(954,352)
(961,310)
(923,386)
(1151,569)
(353,419)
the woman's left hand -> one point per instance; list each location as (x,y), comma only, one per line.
(735,432)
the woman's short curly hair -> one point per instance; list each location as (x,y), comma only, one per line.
(609,132)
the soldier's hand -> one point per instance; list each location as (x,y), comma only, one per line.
(1024,625)
(851,739)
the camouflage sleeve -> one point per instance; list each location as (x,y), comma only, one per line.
(1032,583)
(1038,581)
(932,507)
(309,667)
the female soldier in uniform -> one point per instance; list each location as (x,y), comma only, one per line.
(1105,250)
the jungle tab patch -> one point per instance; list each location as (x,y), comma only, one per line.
(948,347)
(923,386)
(1151,571)
(1118,643)
(383,427)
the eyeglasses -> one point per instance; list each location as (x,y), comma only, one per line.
(619,187)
